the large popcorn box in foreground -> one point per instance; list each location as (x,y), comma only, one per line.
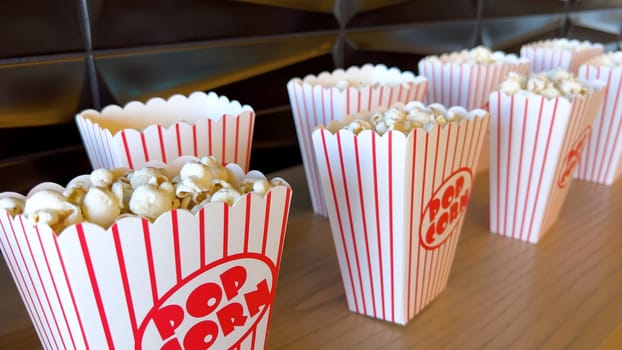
(536,144)
(567,54)
(452,83)
(200,124)
(183,281)
(396,204)
(316,100)
(601,161)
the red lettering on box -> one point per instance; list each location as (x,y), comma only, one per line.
(213,308)
(444,210)
(571,160)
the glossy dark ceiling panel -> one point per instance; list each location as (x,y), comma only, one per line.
(41,93)
(414,12)
(423,38)
(33,27)
(505,8)
(509,33)
(141,75)
(121,23)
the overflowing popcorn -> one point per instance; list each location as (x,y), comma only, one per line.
(549,84)
(477,55)
(610,59)
(106,195)
(343,84)
(400,117)
(566,44)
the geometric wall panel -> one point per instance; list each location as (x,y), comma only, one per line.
(139,75)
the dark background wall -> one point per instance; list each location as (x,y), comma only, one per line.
(58,57)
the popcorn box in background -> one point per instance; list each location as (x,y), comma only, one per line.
(567,54)
(331,96)
(535,145)
(467,77)
(191,281)
(601,160)
(201,124)
(396,204)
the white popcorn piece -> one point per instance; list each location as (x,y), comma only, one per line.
(217,169)
(101,177)
(122,191)
(256,185)
(151,201)
(52,208)
(147,175)
(75,192)
(196,176)
(101,206)
(12,205)
(227,194)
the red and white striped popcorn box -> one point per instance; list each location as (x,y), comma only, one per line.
(535,146)
(567,54)
(316,100)
(453,83)
(183,281)
(601,161)
(200,124)
(396,204)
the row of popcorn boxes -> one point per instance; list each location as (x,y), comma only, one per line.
(368,185)
(395,202)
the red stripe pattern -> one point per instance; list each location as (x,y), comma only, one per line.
(93,289)
(378,191)
(227,136)
(600,162)
(313,105)
(546,58)
(535,146)
(466,85)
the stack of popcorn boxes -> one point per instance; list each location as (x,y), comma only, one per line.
(319,99)
(466,78)
(167,244)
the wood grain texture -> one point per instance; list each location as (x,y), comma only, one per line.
(563,293)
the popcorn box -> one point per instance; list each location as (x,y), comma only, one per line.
(201,124)
(184,281)
(396,204)
(535,146)
(600,161)
(317,100)
(568,54)
(454,83)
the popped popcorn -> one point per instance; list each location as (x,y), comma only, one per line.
(400,117)
(343,84)
(12,205)
(476,55)
(549,84)
(563,43)
(107,195)
(610,59)
(52,208)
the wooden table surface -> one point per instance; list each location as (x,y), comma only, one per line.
(563,293)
